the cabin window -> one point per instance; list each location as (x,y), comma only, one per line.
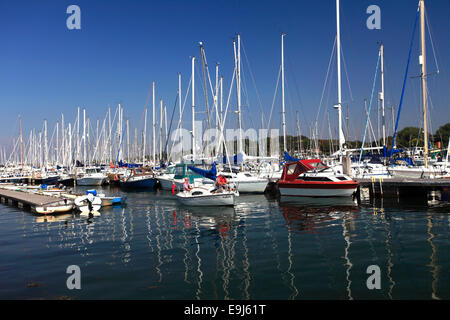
(314,179)
(291,168)
(342,178)
(248,175)
(197,193)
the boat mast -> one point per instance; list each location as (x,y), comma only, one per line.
(154,125)
(424,81)
(144,138)
(180,110)
(84,137)
(338,52)
(45,145)
(21,142)
(282,92)
(160,128)
(128,140)
(237,58)
(193,109)
(383,121)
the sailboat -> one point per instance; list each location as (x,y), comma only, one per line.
(207,195)
(93,176)
(425,171)
(246,181)
(176,175)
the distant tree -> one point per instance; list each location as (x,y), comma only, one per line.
(407,136)
(442,135)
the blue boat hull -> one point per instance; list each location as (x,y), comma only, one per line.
(141,184)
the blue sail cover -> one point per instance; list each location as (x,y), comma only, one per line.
(288,158)
(210,174)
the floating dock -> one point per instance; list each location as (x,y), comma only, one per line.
(36,202)
(403,188)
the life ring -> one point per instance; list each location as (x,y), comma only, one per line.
(38,175)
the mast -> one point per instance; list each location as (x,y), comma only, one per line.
(77,136)
(424,81)
(154,125)
(338,52)
(128,140)
(166,137)
(57,143)
(383,121)
(160,128)
(110,132)
(180,110)
(21,142)
(144,138)
(237,67)
(63,140)
(193,109)
(282,92)
(84,137)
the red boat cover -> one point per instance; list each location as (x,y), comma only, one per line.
(293,169)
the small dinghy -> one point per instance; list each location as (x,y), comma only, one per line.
(108,200)
(88,204)
(55,208)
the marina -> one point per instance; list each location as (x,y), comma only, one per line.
(171,178)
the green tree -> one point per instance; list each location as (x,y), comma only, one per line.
(442,135)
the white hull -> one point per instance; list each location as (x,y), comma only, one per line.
(53,210)
(91,181)
(412,173)
(316,192)
(252,186)
(207,199)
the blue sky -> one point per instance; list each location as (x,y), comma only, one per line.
(123,46)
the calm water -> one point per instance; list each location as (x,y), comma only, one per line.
(154,248)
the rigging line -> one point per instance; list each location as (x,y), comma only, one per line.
(431,40)
(346,74)
(405,78)
(269,125)
(180,120)
(253,80)
(296,88)
(170,126)
(326,111)
(370,106)
(326,78)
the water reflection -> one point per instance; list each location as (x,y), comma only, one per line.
(312,214)
(230,253)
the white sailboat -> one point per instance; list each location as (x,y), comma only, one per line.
(92,176)
(423,171)
(205,196)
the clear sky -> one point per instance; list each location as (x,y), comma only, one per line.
(46,69)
